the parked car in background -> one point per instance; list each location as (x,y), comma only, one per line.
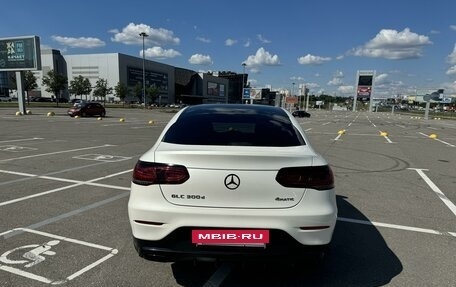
(301,114)
(4,98)
(43,99)
(75,101)
(85,109)
(232,181)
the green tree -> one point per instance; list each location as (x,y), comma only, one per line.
(121,91)
(29,82)
(138,91)
(101,89)
(55,83)
(152,93)
(80,86)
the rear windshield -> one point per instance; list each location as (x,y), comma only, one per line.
(235,129)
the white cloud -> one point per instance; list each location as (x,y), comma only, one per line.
(158,52)
(453,27)
(254,70)
(230,42)
(346,90)
(262,39)
(81,42)
(247,43)
(252,82)
(204,40)
(394,45)
(199,59)
(338,74)
(312,60)
(340,57)
(452,56)
(312,86)
(335,82)
(298,79)
(337,79)
(451,71)
(381,79)
(130,35)
(262,58)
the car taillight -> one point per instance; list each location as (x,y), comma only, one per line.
(315,177)
(148,173)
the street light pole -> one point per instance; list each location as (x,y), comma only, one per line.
(243,79)
(143,35)
(292,93)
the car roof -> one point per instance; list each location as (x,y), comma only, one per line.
(233,109)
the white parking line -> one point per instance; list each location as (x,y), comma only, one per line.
(387,138)
(395,226)
(22,140)
(434,188)
(338,137)
(448,144)
(219,275)
(54,219)
(52,153)
(76,183)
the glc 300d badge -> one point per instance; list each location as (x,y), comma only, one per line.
(232,181)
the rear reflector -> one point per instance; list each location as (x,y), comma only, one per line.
(148,173)
(314,227)
(149,222)
(315,177)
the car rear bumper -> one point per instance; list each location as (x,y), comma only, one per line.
(176,247)
(162,229)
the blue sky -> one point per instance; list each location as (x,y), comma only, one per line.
(410,44)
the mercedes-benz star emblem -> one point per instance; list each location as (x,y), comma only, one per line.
(232,181)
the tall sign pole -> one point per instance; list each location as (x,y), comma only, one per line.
(20,91)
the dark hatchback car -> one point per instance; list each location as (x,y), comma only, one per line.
(87,109)
(301,114)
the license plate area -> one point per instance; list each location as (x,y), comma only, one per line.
(231,237)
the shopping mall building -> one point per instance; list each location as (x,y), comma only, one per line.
(176,85)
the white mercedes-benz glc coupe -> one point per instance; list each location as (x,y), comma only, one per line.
(231,181)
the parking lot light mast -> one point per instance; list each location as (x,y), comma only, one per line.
(292,94)
(144,35)
(243,79)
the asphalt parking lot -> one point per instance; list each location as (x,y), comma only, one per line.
(64,186)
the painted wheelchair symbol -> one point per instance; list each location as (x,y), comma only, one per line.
(33,256)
